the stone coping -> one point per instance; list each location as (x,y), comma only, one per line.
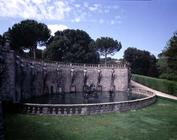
(88,109)
(119,65)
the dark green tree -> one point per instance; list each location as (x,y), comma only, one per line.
(168,59)
(1,40)
(141,62)
(107,46)
(27,35)
(74,46)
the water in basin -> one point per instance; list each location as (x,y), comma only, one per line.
(84,98)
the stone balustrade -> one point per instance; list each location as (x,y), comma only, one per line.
(89,109)
(53,64)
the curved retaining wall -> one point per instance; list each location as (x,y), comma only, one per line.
(59,75)
(24,78)
(88,109)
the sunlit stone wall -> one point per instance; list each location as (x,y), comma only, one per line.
(48,78)
(25,78)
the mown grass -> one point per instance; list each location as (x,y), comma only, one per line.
(163,85)
(156,122)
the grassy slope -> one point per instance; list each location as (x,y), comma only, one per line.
(158,121)
(163,85)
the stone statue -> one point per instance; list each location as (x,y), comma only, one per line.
(59,80)
(99,77)
(113,77)
(72,76)
(85,77)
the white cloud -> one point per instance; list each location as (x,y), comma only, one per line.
(118,17)
(66,10)
(115,7)
(100,11)
(101,21)
(80,16)
(86,4)
(56,27)
(37,9)
(94,7)
(119,22)
(112,22)
(106,11)
(77,19)
(77,5)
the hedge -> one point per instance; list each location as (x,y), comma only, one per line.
(162,85)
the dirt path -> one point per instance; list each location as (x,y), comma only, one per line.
(158,93)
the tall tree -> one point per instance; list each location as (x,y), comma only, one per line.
(27,35)
(72,46)
(107,46)
(1,40)
(168,59)
(141,62)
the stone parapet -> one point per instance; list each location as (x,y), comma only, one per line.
(90,109)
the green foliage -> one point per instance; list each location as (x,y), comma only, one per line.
(171,49)
(1,40)
(141,62)
(107,46)
(27,34)
(163,85)
(74,46)
(157,122)
(110,60)
(168,60)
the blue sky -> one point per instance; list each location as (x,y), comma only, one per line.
(144,24)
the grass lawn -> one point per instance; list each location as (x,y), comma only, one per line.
(156,122)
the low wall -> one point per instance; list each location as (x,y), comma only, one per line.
(88,109)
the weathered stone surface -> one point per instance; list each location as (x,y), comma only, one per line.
(63,79)
(89,109)
(23,79)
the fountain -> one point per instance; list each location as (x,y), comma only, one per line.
(46,88)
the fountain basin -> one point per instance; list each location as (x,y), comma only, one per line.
(146,99)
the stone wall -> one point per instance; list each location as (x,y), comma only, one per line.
(2,71)
(7,76)
(39,78)
(24,78)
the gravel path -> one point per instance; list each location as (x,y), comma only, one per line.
(158,93)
